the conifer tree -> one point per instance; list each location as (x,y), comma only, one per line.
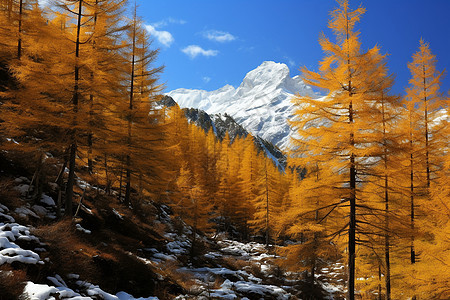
(308,221)
(424,92)
(59,51)
(426,125)
(14,24)
(49,59)
(140,86)
(335,128)
(250,186)
(230,205)
(193,204)
(104,79)
(267,200)
(211,176)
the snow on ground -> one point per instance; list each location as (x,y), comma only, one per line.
(331,279)
(228,290)
(117,214)
(80,228)
(237,284)
(248,277)
(11,234)
(45,208)
(43,292)
(10,252)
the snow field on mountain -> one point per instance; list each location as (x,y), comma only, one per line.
(261,104)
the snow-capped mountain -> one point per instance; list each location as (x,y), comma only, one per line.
(261,104)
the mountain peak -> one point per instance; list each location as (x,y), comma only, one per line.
(269,73)
(261,104)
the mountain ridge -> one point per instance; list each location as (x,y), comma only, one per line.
(222,123)
(261,103)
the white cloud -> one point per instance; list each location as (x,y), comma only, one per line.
(219,36)
(194,50)
(247,49)
(206,79)
(168,21)
(164,37)
(289,61)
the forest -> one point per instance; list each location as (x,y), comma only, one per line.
(365,182)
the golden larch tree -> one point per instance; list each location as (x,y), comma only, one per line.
(334,131)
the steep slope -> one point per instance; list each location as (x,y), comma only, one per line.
(109,252)
(222,123)
(261,104)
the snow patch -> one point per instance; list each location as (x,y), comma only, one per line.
(178,247)
(117,214)
(60,291)
(11,252)
(79,228)
(228,290)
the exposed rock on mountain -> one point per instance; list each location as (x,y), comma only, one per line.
(261,104)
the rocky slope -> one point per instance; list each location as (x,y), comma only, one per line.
(222,123)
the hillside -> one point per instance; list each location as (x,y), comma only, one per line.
(110,190)
(113,252)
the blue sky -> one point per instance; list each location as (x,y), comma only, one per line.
(205,44)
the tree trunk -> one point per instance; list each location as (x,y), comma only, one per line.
(386,200)
(70,180)
(352,181)
(59,181)
(411,174)
(108,183)
(352,221)
(19,41)
(90,135)
(425,100)
(91,105)
(387,245)
(38,180)
(379,281)
(58,204)
(352,231)
(120,183)
(194,239)
(128,161)
(73,146)
(128,183)
(413,255)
